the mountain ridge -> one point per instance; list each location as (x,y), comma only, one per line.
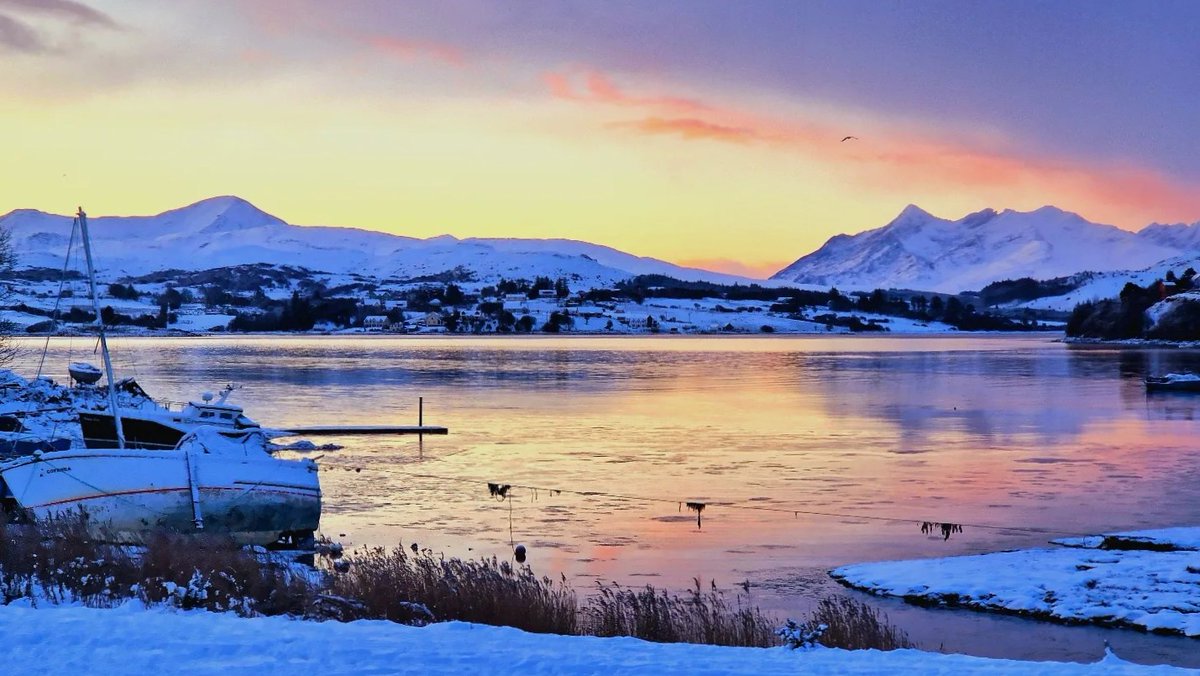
(917,250)
(228,230)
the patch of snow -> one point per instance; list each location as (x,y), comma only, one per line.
(131,640)
(1148,590)
(1184,538)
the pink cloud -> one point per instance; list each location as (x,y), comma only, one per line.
(689,128)
(908,162)
(411,50)
(593,86)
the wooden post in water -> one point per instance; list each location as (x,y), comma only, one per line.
(420,411)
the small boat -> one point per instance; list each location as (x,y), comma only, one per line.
(1173,382)
(151,425)
(83,373)
(208,482)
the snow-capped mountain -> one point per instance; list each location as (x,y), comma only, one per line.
(224,231)
(920,251)
(1179,236)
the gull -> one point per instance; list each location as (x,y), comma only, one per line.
(848,138)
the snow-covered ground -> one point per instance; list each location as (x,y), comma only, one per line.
(202,322)
(1140,588)
(132,640)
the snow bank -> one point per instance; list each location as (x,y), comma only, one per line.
(1149,590)
(130,640)
(1183,538)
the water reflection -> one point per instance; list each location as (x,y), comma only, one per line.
(1020,432)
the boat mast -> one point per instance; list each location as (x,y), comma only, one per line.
(112,390)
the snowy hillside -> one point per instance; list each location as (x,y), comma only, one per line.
(225,231)
(920,251)
(1109,284)
(1175,235)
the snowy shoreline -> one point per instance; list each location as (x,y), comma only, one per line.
(1143,580)
(132,639)
(1133,342)
(438,335)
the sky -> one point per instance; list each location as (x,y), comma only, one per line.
(700,132)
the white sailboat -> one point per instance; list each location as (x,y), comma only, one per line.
(208,483)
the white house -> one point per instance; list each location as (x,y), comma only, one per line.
(376,322)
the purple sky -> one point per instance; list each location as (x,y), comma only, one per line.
(1095,79)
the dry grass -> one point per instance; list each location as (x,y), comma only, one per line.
(487,591)
(695,617)
(215,573)
(58,562)
(854,625)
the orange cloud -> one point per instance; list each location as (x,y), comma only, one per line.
(596,87)
(690,128)
(411,50)
(904,161)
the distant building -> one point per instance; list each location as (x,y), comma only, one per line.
(515,298)
(547,293)
(433,319)
(376,322)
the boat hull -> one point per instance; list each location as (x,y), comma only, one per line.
(126,494)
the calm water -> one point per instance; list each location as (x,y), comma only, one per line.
(987,431)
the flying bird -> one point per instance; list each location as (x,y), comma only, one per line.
(848,138)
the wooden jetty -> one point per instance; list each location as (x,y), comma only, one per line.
(333,430)
(328,430)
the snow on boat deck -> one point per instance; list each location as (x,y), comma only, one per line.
(1139,588)
(132,640)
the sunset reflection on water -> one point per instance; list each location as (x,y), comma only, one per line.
(984,431)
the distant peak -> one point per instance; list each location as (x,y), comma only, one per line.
(222,200)
(1050,209)
(222,214)
(912,211)
(222,203)
(1047,210)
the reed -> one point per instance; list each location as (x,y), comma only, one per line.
(59,561)
(215,573)
(397,584)
(853,625)
(693,617)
